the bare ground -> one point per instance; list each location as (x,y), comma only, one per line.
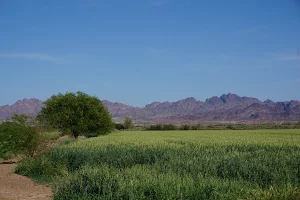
(16,187)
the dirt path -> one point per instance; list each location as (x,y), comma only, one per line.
(16,187)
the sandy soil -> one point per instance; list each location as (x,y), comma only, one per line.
(13,186)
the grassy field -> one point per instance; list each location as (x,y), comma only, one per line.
(216,164)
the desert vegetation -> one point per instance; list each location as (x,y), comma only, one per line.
(71,113)
(23,137)
(211,164)
(162,161)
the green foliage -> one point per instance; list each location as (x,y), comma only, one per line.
(119,126)
(128,123)
(157,127)
(230,127)
(77,114)
(24,136)
(50,136)
(160,127)
(17,138)
(169,127)
(226,164)
(185,127)
(196,127)
(20,119)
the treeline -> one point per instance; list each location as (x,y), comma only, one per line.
(165,127)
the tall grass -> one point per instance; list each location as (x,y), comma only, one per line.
(54,135)
(260,164)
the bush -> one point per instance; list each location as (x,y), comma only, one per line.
(119,126)
(195,127)
(18,139)
(161,127)
(168,127)
(185,127)
(230,127)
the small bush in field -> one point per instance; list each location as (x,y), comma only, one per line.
(185,127)
(169,127)
(119,126)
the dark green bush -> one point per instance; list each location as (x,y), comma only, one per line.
(168,127)
(119,126)
(157,127)
(184,127)
(230,127)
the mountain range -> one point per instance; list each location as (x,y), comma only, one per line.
(228,108)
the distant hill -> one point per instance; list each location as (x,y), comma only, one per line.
(223,109)
(26,106)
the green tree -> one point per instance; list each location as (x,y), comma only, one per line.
(128,123)
(18,137)
(77,114)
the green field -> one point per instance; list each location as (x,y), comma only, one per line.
(215,164)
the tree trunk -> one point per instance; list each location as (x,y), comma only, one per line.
(75,134)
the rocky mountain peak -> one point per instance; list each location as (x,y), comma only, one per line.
(229,97)
(214,100)
(269,101)
(189,99)
(153,104)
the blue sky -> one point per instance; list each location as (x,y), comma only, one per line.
(139,51)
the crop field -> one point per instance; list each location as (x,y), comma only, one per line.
(211,164)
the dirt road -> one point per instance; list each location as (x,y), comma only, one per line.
(16,187)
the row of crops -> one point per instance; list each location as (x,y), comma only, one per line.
(228,164)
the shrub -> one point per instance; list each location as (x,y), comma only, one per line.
(196,127)
(168,127)
(230,127)
(18,139)
(185,127)
(119,126)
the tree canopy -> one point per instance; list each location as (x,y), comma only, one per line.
(77,114)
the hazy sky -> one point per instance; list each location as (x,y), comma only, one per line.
(139,51)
